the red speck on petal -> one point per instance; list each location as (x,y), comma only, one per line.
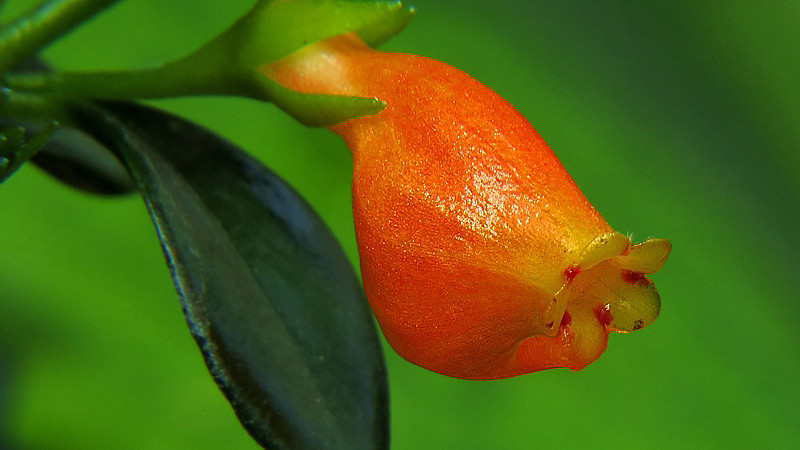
(632,277)
(571,272)
(603,314)
(566,320)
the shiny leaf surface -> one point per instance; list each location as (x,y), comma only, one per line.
(82,163)
(270,297)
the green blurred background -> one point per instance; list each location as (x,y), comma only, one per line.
(678,119)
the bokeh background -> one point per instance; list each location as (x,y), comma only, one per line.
(678,119)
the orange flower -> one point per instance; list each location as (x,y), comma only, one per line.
(480,256)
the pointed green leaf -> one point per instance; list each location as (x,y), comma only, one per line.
(270,297)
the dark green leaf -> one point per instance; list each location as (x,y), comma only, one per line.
(269,296)
(82,163)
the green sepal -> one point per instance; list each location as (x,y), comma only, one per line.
(315,110)
(380,31)
(275,29)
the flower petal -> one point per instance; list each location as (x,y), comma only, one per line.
(632,299)
(647,257)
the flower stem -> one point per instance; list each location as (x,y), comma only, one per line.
(180,78)
(32,107)
(27,35)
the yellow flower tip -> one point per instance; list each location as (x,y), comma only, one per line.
(646,257)
(611,277)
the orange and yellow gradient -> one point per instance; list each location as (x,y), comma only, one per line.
(480,256)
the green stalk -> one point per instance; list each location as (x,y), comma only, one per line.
(33,31)
(185,77)
(32,107)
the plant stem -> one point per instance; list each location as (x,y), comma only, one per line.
(33,31)
(171,80)
(32,107)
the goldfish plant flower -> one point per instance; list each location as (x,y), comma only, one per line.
(480,256)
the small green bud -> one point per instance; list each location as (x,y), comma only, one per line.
(15,150)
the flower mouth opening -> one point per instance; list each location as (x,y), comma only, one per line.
(610,280)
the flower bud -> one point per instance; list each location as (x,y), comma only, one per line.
(480,256)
